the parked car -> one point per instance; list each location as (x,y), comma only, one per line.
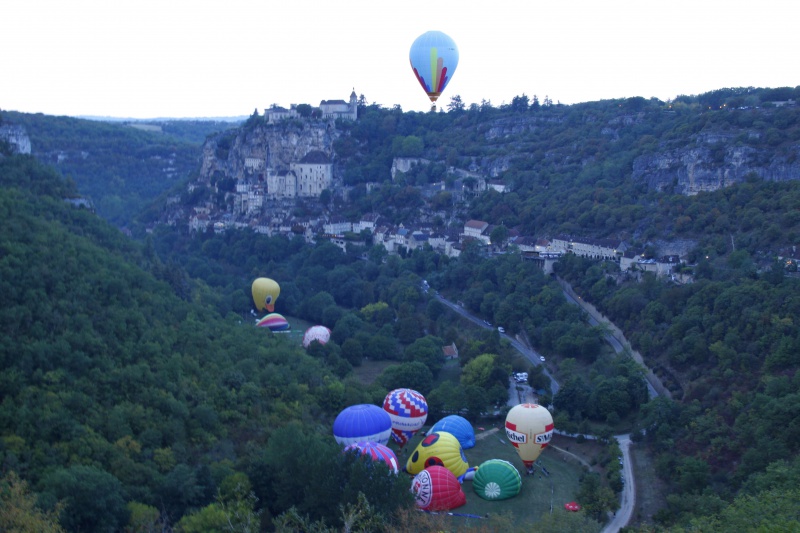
(501,329)
(541,358)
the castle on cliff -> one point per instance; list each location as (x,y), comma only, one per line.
(330,110)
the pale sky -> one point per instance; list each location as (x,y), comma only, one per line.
(202,58)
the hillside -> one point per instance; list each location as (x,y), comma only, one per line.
(126,396)
(638,170)
(120,168)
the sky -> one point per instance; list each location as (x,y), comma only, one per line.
(200,58)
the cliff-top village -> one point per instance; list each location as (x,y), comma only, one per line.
(273,170)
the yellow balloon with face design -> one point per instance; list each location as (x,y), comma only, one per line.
(265,292)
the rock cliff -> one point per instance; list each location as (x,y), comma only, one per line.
(239,153)
(713,162)
(17,137)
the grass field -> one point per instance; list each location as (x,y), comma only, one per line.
(540,494)
(369,370)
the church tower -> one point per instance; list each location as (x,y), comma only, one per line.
(354,104)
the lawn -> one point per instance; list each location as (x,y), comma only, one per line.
(540,493)
(369,370)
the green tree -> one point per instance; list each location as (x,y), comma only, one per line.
(413,375)
(478,371)
(18,510)
(499,235)
(427,350)
(772,510)
(93,498)
(378,313)
(456,105)
(353,351)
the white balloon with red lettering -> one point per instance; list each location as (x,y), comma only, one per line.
(529,428)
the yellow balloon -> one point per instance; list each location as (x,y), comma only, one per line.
(529,428)
(439,448)
(265,292)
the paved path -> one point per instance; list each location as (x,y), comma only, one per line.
(565,452)
(628,497)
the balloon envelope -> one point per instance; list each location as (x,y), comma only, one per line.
(529,427)
(434,58)
(408,411)
(377,452)
(265,292)
(497,480)
(321,334)
(439,448)
(459,427)
(274,321)
(362,422)
(437,489)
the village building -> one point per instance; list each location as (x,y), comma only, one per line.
(450,351)
(337,225)
(635,261)
(275,114)
(592,248)
(476,229)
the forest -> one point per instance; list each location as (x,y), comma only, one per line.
(136,395)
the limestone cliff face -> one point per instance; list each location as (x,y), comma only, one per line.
(17,137)
(712,163)
(242,152)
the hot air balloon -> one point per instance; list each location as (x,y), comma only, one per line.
(529,427)
(321,334)
(362,422)
(377,452)
(496,479)
(434,58)
(265,292)
(275,322)
(408,410)
(439,448)
(437,489)
(459,427)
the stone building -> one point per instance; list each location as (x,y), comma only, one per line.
(307,178)
(333,109)
(314,174)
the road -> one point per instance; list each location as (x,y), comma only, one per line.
(609,338)
(627,498)
(532,355)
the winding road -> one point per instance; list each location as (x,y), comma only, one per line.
(628,496)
